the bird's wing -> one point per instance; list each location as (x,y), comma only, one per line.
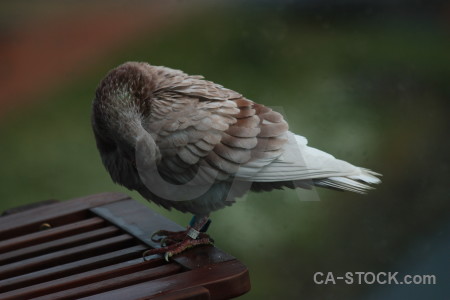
(202,127)
(299,162)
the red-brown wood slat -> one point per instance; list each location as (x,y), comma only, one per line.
(94,250)
(71,241)
(191,293)
(50,234)
(145,276)
(63,270)
(85,279)
(60,213)
(223,280)
(55,258)
(141,222)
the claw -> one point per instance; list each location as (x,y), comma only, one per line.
(175,242)
(147,253)
(157,236)
(163,241)
(167,255)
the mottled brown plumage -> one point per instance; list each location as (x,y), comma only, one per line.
(200,134)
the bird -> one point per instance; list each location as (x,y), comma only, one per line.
(187,143)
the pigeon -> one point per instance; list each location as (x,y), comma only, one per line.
(190,144)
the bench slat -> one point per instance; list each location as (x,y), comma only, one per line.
(50,234)
(84,278)
(56,214)
(196,292)
(141,222)
(145,276)
(94,250)
(58,244)
(71,268)
(55,258)
(223,280)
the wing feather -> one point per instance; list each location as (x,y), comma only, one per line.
(299,162)
(198,123)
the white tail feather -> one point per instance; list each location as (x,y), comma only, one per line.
(300,162)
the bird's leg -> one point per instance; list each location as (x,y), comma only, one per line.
(197,228)
(175,242)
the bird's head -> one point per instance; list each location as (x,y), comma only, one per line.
(122,102)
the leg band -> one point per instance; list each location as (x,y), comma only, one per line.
(192,233)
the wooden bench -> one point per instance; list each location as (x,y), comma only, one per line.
(91,248)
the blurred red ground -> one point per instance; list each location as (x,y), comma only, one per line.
(45,50)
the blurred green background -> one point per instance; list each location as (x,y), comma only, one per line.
(367,81)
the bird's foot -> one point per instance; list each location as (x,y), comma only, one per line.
(175,242)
